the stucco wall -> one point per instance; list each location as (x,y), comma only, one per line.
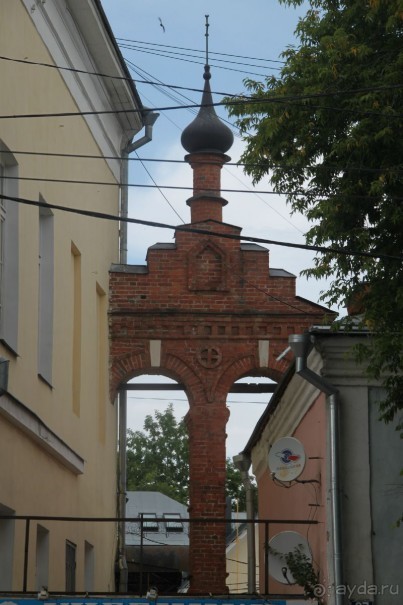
(301,501)
(36,479)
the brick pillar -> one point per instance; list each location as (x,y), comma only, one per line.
(206,202)
(206,423)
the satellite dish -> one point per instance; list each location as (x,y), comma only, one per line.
(287,459)
(279,546)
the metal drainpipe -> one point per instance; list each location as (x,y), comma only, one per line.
(149,121)
(123,570)
(299,344)
(242,463)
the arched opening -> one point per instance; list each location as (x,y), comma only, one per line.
(247,400)
(152,401)
(157,484)
(246,405)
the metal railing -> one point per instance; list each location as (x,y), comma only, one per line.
(141,522)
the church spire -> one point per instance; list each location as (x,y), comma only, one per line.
(207,132)
(206,140)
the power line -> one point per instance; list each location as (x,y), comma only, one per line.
(178,187)
(112,77)
(162,193)
(177,399)
(200,51)
(112,217)
(227,94)
(246,101)
(177,58)
(136,70)
(83,156)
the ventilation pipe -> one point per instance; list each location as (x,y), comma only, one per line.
(300,344)
(242,463)
(149,120)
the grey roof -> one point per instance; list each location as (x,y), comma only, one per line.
(163,246)
(252,247)
(159,505)
(153,502)
(129,79)
(129,268)
(280,273)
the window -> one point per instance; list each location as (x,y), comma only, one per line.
(76,351)
(2,226)
(89,566)
(102,360)
(9,249)
(42,557)
(149,522)
(70,566)
(2,210)
(173,522)
(46,294)
(7,528)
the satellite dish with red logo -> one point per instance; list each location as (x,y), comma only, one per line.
(287,459)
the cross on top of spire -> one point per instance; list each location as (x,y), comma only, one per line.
(207,133)
(207,35)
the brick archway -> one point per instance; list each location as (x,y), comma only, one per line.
(206,346)
(205,310)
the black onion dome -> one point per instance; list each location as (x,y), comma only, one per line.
(207,132)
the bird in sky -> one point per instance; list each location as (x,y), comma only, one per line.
(161,24)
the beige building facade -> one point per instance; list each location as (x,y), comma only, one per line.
(58,426)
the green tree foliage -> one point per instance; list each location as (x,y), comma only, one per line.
(327,131)
(158,456)
(158,460)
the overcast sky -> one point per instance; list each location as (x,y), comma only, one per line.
(165,42)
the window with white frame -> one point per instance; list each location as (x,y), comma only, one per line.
(149,522)
(173,522)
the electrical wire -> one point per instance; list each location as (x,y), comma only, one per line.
(104,75)
(384,170)
(192,230)
(180,187)
(285,100)
(172,399)
(160,84)
(170,161)
(191,89)
(201,52)
(162,193)
(225,167)
(176,56)
(112,217)
(244,101)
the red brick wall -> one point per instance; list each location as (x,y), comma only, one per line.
(215,307)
